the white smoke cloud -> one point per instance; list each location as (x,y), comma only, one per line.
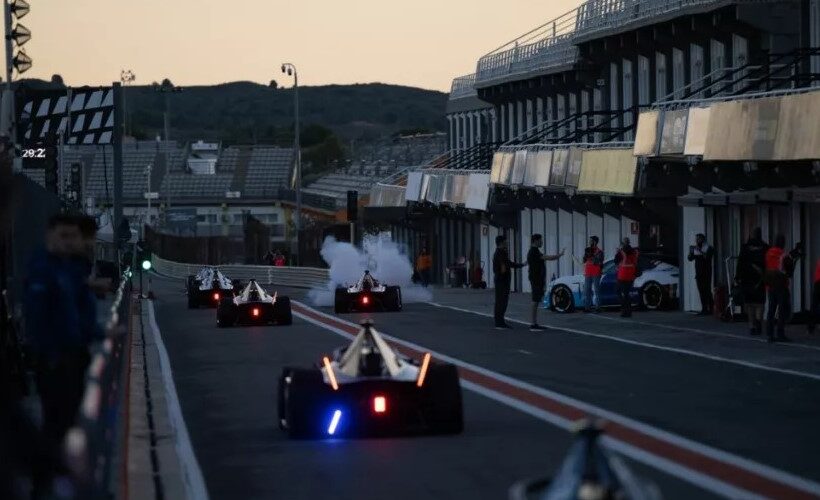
(378,254)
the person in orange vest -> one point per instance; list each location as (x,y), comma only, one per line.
(627,260)
(779,270)
(815,299)
(424,263)
(593,263)
(279,260)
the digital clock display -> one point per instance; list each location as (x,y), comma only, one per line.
(34,153)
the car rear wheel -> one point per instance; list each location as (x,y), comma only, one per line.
(393,298)
(301,392)
(340,303)
(652,296)
(443,412)
(561,299)
(226,313)
(282,313)
(192,302)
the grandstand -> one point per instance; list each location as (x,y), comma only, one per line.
(256,172)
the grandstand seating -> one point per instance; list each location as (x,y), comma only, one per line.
(268,169)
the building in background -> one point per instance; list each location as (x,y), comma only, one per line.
(647,119)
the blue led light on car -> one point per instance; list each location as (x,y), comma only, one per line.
(334,422)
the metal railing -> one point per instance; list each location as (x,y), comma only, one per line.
(547,46)
(92,446)
(463,86)
(299,277)
(596,16)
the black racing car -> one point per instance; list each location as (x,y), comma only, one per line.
(208,287)
(253,306)
(367,389)
(367,295)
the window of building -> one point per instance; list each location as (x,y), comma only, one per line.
(661,89)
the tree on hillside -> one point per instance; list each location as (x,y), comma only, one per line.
(167,82)
(57,80)
(273,84)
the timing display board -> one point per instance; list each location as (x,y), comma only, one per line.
(87,119)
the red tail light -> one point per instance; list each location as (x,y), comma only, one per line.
(379,404)
(255,311)
(216,296)
(365,299)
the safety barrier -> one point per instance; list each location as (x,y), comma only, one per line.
(92,447)
(300,277)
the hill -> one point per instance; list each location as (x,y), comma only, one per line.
(246,112)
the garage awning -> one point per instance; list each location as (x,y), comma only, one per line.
(743,198)
(774,195)
(806,195)
(608,171)
(715,199)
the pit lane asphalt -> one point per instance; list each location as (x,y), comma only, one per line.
(226,382)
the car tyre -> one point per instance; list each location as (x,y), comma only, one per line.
(340,302)
(652,296)
(393,298)
(300,402)
(282,313)
(444,412)
(561,299)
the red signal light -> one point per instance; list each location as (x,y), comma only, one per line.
(255,311)
(365,299)
(216,296)
(380,404)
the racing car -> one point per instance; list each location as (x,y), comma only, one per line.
(367,389)
(367,295)
(208,286)
(253,306)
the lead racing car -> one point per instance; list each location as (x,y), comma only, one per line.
(367,294)
(208,287)
(254,306)
(367,389)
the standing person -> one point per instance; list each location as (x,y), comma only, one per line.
(751,264)
(702,254)
(88,285)
(55,333)
(779,269)
(502,268)
(538,275)
(269,258)
(424,263)
(626,258)
(593,264)
(279,259)
(814,315)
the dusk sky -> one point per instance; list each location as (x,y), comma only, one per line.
(423,43)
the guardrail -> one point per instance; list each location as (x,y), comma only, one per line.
(463,86)
(299,277)
(92,446)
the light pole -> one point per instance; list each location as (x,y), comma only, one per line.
(290,69)
(148,194)
(166,88)
(126,76)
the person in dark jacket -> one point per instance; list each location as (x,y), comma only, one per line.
(777,278)
(750,266)
(55,331)
(536,262)
(703,254)
(814,315)
(502,269)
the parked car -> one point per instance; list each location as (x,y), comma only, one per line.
(655,288)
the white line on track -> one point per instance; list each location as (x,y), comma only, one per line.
(646,457)
(746,338)
(678,350)
(191,473)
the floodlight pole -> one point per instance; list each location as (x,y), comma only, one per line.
(9,43)
(289,67)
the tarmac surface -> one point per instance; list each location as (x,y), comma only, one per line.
(226,381)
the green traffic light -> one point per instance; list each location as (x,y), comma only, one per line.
(146,265)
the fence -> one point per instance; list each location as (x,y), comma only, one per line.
(300,277)
(93,446)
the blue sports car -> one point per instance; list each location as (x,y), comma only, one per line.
(655,288)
